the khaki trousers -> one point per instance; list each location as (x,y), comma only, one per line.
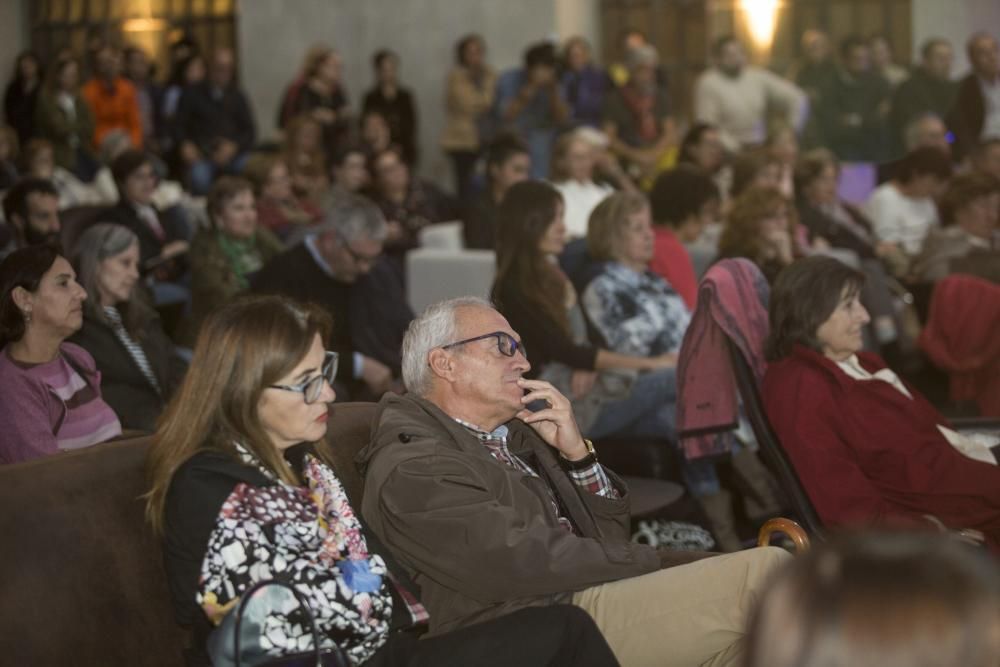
(688,615)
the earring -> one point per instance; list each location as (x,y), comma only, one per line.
(27,317)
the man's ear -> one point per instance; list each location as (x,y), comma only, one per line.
(441,363)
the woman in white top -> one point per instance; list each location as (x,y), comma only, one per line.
(574,162)
(902,211)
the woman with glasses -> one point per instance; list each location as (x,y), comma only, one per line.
(241,496)
(138,365)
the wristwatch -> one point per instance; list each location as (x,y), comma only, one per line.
(587,461)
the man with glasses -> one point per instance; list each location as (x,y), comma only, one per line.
(494,507)
(340,267)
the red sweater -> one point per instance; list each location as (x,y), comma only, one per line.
(672,262)
(866,453)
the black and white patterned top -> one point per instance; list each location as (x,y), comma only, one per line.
(134,349)
(636,313)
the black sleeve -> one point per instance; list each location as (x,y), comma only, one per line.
(245,126)
(542,336)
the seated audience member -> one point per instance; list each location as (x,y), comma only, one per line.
(214,124)
(138,366)
(225,255)
(573,164)
(331,267)
(974,117)
(31,212)
(782,145)
(494,508)
(395,103)
(736,98)
(8,157)
(408,203)
(187,72)
(375,133)
(163,235)
(349,169)
(529,101)
(638,120)
(63,117)
(756,167)
(21,95)
(112,98)
(867,447)
(39,162)
(684,202)
(852,111)
(584,84)
(609,393)
(929,90)
(507,163)
(969,241)
(50,390)
(139,71)
(167,194)
(239,442)
(469,94)
(279,210)
(303,153)
(872,600)
(319,93)
(902,211)
(702,147)
(985,158)
(760,227)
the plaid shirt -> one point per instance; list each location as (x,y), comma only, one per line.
(592,479)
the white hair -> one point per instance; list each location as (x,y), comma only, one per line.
(353,217)
(434,327)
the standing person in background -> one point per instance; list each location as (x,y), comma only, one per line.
(529,101)
(507,163)
(21,96)
(469,97)
(215,124)
(187,73)
(882,63)
(63,117)
(637,117)
(395,102)
(112,98)
(736,97)
(148,93)
(319,91)
(853,110)
(928,90)
(584,84)
(975,114)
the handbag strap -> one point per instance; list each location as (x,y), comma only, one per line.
(245,600)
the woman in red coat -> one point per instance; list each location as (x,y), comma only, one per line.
(867,447)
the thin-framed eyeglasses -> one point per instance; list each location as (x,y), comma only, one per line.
(312,388)
(506,344)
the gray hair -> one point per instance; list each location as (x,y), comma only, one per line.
(96,244)
(353,217)
(434,327)
(642,55)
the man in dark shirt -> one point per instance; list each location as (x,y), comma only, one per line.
(341,268)
(928,90)
(215,126)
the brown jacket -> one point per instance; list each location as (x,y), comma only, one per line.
(479,538)
(465,102)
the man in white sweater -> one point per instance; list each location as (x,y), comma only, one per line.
(736,97)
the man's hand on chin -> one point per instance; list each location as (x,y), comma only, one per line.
(555,424)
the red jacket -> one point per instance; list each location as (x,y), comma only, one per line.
(866,453)
(672,262)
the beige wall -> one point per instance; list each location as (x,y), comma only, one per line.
(14,35)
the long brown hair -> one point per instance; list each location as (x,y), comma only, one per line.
(525,214)
(241,349)
(741,236)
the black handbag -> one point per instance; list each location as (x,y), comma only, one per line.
(317,657)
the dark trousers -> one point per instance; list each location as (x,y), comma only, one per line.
(464,164)
(537,636)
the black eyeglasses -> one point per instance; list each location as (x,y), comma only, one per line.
(312,388)
(506,343)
